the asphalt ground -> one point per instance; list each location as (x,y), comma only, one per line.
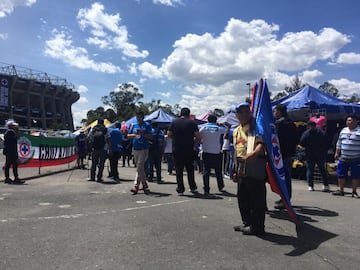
(59,220)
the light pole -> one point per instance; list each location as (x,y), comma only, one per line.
(248,84)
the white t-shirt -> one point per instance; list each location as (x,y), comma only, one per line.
(211,135)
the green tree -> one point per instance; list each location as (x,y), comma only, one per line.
(330,89)
(124,100)
(218,112)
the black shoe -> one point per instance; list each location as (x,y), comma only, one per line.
(249,230)
(355,195)
(99,180)
(91,179)
(279,206)
(8,181)
(240,228)
(18,181)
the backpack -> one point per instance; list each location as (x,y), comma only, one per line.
(98,138)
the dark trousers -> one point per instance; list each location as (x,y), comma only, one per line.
(170,162)
(251,196)
(155,162)
(98,158)
(184,160)
(212,161)
(288,166)
(310,167)
(11,160)
(114,161)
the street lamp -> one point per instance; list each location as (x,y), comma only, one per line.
(248,84)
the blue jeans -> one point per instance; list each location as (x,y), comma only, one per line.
(310,166)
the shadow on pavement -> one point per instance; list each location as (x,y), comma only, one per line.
(308,237)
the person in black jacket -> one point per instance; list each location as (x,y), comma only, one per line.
(315,142)
(288,139)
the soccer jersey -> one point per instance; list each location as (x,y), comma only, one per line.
(349,143)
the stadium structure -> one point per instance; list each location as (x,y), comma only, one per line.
(35,99)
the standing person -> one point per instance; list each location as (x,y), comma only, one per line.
(10,151)
(156,150)
(99,139)
(250,191)
(81,142)
(140,133)
(288,139)
(185,134)
(126,148)
(211,138)
(226,153)
(168,152)
(315,142)
(115,149)
(348,153)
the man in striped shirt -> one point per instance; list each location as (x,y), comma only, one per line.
(348,153)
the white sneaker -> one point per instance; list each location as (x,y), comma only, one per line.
(310,188)
(326,189)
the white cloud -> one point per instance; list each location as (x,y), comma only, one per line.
(78,115)
(82,89)
(348,58)
(164,94)
(170,3)
(8,6)
(83,100)
(60,47)
(132,68)
(346,87)
(4,36)
(107,33)
(248,50)
(149,70)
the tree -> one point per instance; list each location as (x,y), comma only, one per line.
(93,115)
(218,112)
(330,89)
(124,100)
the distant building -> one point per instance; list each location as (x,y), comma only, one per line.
(35,99)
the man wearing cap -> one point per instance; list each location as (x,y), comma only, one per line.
(250,191)
(10,151)
(140,133)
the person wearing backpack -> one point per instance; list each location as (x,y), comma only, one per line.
(99,141)
(115,150)
(156,150)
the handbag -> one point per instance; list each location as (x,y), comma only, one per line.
(255,168)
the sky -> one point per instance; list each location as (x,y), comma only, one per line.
(196,53)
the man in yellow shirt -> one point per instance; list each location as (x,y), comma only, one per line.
(251,192)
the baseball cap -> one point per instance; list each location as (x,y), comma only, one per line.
(242,105)
(11,122)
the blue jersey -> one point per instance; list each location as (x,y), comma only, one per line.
(140,142)
(116,139)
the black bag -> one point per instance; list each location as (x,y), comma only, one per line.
(255,168)
(98,141)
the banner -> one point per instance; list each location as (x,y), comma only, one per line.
(38,151)
(265,127)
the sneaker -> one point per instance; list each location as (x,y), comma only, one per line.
(355,195)
(194,191)
(310,188)
(91,179)
(249,230)
(338,193)
(326,189)
(279,206)
(134,190)
(18,181)
(239,228)
(180,193)
(223,190)
(8,181)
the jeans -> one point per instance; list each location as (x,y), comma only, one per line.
(98,160)
(310,166)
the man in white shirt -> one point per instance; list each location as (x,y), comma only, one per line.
(211,138)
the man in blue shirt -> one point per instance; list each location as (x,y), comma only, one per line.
(115,149)
(140,133)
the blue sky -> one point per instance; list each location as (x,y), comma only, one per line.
(196,53)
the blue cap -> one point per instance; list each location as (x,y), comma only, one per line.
(242,105)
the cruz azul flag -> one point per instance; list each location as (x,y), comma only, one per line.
(265,127)
(38,151)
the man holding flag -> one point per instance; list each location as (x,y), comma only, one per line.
(251,189)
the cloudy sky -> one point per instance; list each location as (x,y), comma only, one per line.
(196,53)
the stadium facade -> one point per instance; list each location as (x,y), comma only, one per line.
(35,99)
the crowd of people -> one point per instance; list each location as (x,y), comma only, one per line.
(232,152)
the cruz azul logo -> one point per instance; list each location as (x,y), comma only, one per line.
(25,150)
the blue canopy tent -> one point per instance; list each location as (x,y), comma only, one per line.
(161,117)
(309,100)
(229,119)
